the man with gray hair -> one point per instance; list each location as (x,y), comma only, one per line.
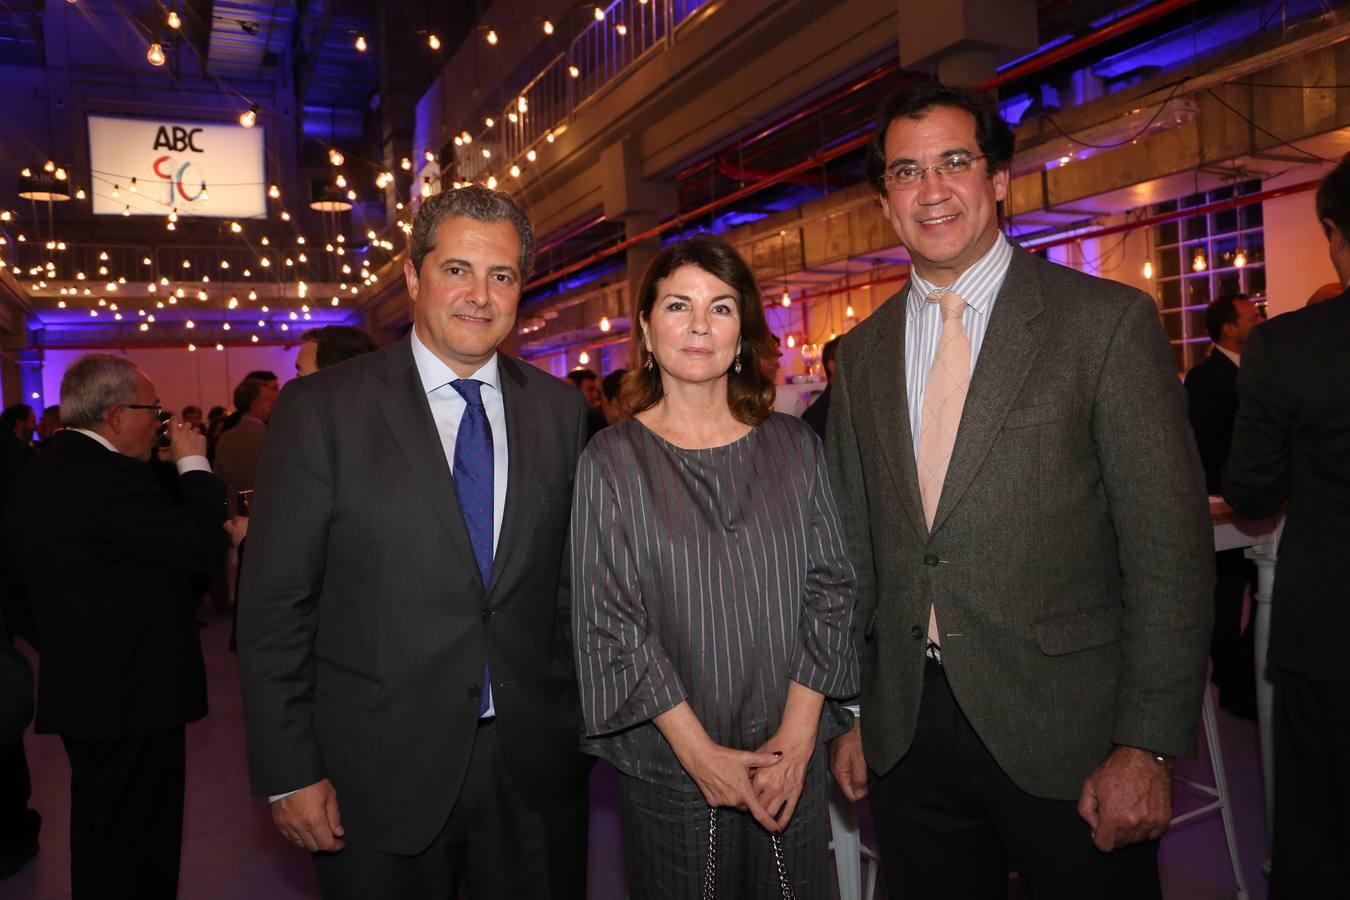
(121,669)
(404,616)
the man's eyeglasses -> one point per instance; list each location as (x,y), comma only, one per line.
(154,407)
(903,177)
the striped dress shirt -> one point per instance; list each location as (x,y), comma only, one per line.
(978,286)
(711,576)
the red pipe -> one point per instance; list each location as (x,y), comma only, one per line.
(1077,45)
(1217,206)
(744,173)
(564,236)
(1058,54)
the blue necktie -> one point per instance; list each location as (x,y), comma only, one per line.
(473,484)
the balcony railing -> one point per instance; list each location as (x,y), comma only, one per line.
(601,54)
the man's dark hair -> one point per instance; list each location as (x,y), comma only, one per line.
(338,343)
(190,408)
(914,100)
(247,393)
(54,410)
(217,412)
(612,384)
(19,412)
(470,202)
(260,375)
(1333,199)
(581,376)
(828,351)
(1221,312)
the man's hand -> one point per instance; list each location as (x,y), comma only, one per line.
(1127,799)
(184,441)
(309,818)
(847,763)
(237,529)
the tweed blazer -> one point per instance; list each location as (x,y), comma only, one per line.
(1071,556)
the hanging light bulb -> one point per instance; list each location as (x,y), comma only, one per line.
(599,14)
(429,156)
(583,357)
(604,323)
(487,154)
(492,37)
(1199,264)
(249,117)
(515,171)
(341,180)
(468,138)
(531,155)
(285,216)
(492,182)
(335,156)
(433,42)
(155,55)
(787,298)
(1148,270)
(173,20)
(791,341)
(406,164)
(361,43)
(522,105)
(274,192)
(1240,259)
(574,71)
(49,166)
(848,312)
(548,27)
(513,117)
(115,192)
(80,194)
(426,188)
(489,121)
(621,28)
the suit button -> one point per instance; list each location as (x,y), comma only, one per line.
(931,560)
(918,632)
(475,690)
(487,614)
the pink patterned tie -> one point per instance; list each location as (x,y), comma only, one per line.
(943,400)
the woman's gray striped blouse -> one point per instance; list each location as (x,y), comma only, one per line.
(713,576)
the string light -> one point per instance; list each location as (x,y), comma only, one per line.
(848,312)
(1240,259)
(361,43)
(433,42)
(599,14)
(80,194)
(429,156)
(249,117)
(492,37)
(574,71)
(583,357)
(1148,270)
(492,183)
(406,164)
(274,192)
(515,171)
(155,55)
(335,156)
(1199,264)
(468,138)
(604,323)
(489,121)
(621,28)
(791,341)
(548,27)
(531,155)
(522,105)
(173,20)
(787,298)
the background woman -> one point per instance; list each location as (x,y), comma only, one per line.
(712,596)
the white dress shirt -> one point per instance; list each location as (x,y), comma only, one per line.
(185,465)
(1233,357)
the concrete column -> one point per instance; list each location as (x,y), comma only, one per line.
(964,43)
(30,380)
(639,202)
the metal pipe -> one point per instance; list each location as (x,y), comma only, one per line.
(1058,54)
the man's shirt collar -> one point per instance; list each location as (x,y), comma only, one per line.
(978,285)
(436,374)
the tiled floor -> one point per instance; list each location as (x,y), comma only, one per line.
(231,852)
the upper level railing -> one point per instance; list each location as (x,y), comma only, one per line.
(603,51)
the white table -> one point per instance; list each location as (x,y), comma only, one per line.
(1261,539)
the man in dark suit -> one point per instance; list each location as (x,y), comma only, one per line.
(1024,506)
(1292,443)
(404,633)
(818,413)
(1211,404)
(121,670)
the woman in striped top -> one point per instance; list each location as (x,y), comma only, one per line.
(712,597)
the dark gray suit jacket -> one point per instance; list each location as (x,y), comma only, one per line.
(1071,561)
(363,621)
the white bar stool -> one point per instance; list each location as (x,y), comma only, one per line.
(1218,791)
(850,856)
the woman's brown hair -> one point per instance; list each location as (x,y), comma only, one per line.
(750,393)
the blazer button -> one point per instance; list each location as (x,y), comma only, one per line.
(918,632)
(931,560)
(487,614)
(475,690)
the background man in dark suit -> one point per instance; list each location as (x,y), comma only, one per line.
(1034,608)
(818,413)
(121,668)
(1292,443)
(1211,404)
(404,619)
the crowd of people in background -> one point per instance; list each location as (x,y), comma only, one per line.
(974,588)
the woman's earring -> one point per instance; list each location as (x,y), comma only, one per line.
(649,364)
(737,368)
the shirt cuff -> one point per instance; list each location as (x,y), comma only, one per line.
(193,464)
(854,708)
(275,797)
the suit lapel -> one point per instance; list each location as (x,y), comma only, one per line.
(518,437)
(886,361)
(408,415)
(1010,345)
